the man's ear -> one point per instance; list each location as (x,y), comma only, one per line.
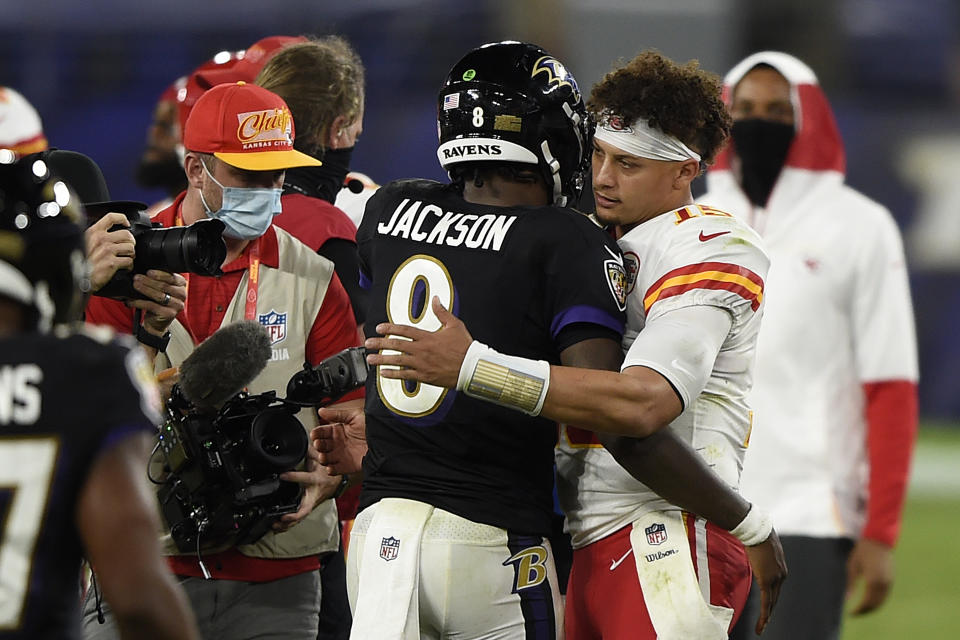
(193,168)
(688,172)
(335,136)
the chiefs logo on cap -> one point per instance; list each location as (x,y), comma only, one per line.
(267,126)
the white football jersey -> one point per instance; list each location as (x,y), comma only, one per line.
(692,256)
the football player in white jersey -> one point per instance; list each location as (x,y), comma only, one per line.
(695,294)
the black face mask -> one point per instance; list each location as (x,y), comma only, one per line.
(324,181)
(762,146)
(166,174)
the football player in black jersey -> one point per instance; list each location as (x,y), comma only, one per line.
(77,410)
(457,495)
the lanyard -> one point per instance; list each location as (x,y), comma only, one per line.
(253,281)
(253,278)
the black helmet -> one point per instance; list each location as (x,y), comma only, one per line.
(42,262)
(514,102)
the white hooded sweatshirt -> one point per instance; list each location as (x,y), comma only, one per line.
(835,382)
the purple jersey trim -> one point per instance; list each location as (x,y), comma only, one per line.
(584,313)
(365,282)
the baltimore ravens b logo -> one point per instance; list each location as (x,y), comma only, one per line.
(556,74)
(529,567)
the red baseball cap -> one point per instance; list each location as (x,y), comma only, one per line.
(246,126)
(192,86)
(248,62)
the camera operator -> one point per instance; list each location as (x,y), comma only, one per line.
(110,244)
(268,589)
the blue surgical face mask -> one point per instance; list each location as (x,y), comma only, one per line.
(246,211)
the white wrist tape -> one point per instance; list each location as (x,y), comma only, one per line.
(516,383)
(754,528)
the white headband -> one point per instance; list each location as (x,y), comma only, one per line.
(642,140)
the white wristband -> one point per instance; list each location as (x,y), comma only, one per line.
(509,381)
(754,528)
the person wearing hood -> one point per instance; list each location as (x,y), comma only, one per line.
(835,390)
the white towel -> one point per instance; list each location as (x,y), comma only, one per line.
(388,585)
(669,583)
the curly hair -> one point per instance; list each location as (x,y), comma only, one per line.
(681,100)
(319,80)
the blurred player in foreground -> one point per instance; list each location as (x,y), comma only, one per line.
(78,409)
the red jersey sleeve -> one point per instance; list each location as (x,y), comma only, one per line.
(109,312)
(334,329)
(891,433)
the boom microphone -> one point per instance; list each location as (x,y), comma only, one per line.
(223,364)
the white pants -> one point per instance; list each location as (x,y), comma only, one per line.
(475,581)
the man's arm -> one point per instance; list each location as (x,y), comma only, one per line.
(118,522)
(662,461)
(342,441)
(319,481)
(885,353)
(638,401)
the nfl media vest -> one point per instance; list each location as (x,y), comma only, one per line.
(296,289)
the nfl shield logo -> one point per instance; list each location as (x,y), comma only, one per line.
(275,324)
(656,533)
(389,548)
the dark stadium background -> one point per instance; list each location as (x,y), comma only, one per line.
(94,69)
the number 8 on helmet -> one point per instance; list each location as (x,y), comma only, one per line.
(514,102)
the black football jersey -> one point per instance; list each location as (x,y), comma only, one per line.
(64,399)
(528,281)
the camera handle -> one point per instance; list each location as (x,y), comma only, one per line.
(328,381)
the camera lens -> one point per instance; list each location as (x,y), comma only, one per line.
(277,440)
(198,248)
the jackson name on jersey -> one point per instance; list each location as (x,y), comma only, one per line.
(453,229)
